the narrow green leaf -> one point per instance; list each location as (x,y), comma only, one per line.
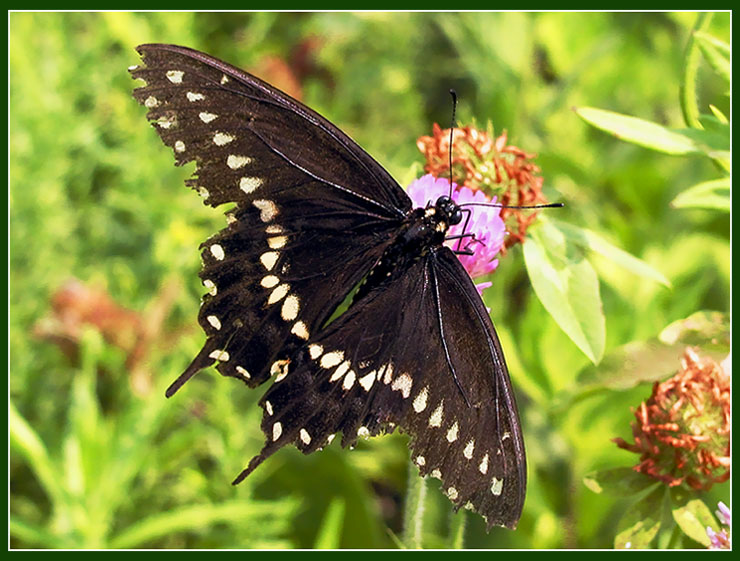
(687,93)
(416,495)
(716,54)
(618,482)
(196,518)
(638,131)
(713,194)
(457,529)
(36,536)
(719,115)
(567,285)
(640,524)
(592,241)
(25,441)
(329,535)
(693,517)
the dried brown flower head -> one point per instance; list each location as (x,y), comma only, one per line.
(682,431)
(482,161)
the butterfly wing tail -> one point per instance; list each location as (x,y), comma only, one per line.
(203,360)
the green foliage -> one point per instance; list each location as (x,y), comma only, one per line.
(617,276)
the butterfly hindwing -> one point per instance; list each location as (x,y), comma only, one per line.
(383,364)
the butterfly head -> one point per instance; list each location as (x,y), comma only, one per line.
(449,208)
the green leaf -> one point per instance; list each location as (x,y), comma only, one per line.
(329,535)
(592,241)
(687,93)
(638,131)
(416,497)
(618,482)
(640,524)
(25,441)
(567,285)
(655,359)
(718,115)
(693,517)
(713,194)
(195,518)
(709,330)
(716,52)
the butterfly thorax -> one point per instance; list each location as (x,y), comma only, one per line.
(424,230)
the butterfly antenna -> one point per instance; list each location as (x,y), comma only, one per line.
(547,205)
(453,93)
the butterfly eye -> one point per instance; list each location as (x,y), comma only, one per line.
(444,201)
(456,216)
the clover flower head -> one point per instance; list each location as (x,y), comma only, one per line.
(484,221)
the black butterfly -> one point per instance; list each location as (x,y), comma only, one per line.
(314,217)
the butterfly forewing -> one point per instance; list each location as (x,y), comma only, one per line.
(312,215)
(303,232)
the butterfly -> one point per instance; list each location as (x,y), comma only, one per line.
(313,218)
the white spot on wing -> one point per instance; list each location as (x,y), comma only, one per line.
(315,351)
(279,369)
(221,138)
(151,101)
(420,401)
(212,290)
(349,380)
(249,184)
(221,356)
(435,419)
(300,330)
(403,384)
(269,281)
(483,467)
(236,162)
(179,146)
(420,460)
(290,308)
(218,252)
(497,486)
(436,474)
(224,79)
(268,259)
(469,447)
(268,209)
(268,408)
(277,430)
(388,373)
(367,381)
(165,121)
(278,294)
(207,117)
(363,432)
(214,321)
(331,359)
(451,493)
(452,433)
(194,96)
(305,437)
(340,371)
(243,371)
(175,76)
(277,242)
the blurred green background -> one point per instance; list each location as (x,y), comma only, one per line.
(100,459)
